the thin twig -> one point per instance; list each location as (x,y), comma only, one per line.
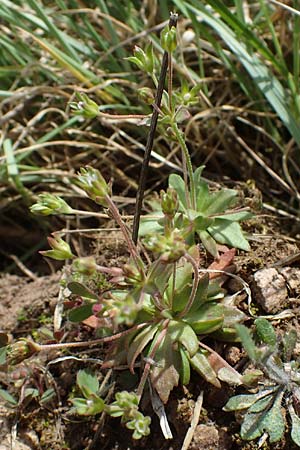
(150,139)
(195,420)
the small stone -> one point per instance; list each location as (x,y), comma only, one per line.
(292,277)
(208,437)
(233,355)
(270,290)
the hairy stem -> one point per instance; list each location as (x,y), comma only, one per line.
(130,243)
(180,138)
(41,347)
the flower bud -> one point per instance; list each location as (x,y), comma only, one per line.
(86,265)
(168,39)
(60,249)
(169,202)
(20,350)
(48,204)
(171,247)
(143,59)
(85,107)
(146,94)
(93,183)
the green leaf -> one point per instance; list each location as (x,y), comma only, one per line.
(202,195)
(274,422)
(265,332)
(87,383)
(3,351)
(247,342)
(208,318)
(6,396)
(289,342)
(198,172)
(179,293)
(202,222)
(81,313)
(200,363)
(165,375)
(236,216)
(209,243)
(261,404)
(270,421)
(185,370)
(220,201)
(189,340)
(239,402)
(150,225)
(201,294)
(88,407)
(230,376)
(228,233)
(139,343)
(79,289)
(177,183)
(183,333)
(295,432)
(232,316)
(47,396)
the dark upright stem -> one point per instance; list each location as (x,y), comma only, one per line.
(150,139)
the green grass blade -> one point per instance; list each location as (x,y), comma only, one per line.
(268,84)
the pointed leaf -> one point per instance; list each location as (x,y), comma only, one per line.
(200,363)
(202,196)
(87,383)
(6,396)
(139,343)
(208,318)
(261,404)
(3,351)
(177,183)
(232,316)
(236,216)
(201,294)
(247,342)
(220,201)
(183,333)
(209,243)
(185,370)
(79,289)
(228,233)
(230,376)
(239,402)
(250,427)
(165,375)
(270,421)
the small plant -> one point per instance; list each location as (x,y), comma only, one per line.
(125,405)
(209,215)
(278,388)
(155,310)
(165,304)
